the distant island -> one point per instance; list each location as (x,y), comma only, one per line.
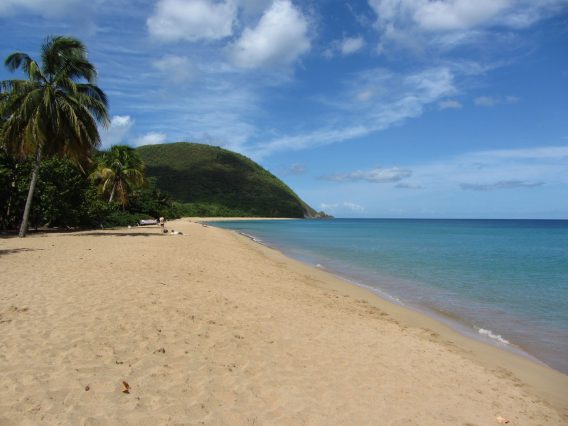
(211,181)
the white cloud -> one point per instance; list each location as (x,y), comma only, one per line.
(377,175)
(489,101)
(344,206)
(192,20)
(177,68)
(396,97)
(449,104)
(345,46)
(117,132)
(449,23)
(523,183)
(437,15)
(497,169)
(457,14)
(502,184)
(280,38)
(486,101)
(320,137)
(151,138)
(354,207)
(351,45)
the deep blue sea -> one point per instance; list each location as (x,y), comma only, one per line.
(502,281)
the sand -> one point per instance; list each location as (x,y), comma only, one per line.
(211,328)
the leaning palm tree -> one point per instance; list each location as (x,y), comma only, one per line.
(55,111)
(119,173)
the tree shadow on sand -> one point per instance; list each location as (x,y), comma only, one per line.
(5,252)
(117,234)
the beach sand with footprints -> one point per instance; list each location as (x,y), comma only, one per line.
(133,326)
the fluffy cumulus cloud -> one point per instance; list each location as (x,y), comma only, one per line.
(192,20)
(177,68)
(394,16)
(118,131)
(377,175)
(151,138)
(280,38)
(407,21)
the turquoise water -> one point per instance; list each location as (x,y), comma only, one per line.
(502,281)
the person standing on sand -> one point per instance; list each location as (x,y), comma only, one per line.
(162,222)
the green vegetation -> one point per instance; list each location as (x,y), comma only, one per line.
(120,172)
(67,198)
(48,154)
(52,112)
(211,181)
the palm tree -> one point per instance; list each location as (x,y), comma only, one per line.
(55,111)
(119,173)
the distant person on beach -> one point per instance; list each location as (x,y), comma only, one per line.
(162,222)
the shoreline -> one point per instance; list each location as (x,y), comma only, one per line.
(441,322)
(454,321)
(547,381)
(211,327)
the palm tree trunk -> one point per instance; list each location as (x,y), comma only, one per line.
(35,173)
(112,193)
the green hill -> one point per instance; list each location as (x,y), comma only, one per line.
(213,181)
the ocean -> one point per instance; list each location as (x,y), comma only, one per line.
(502,281)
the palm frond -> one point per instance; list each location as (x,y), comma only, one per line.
(52,108)
(26,63)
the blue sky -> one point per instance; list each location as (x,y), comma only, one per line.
(370,108)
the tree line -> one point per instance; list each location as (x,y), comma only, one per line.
(51,172)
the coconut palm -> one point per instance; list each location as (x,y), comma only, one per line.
(55,111)
(119,173)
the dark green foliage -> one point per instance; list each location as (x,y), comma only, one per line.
(55,111)
(203,181)
(14,178)
(119,173)
(211,181)
(66,198)
(60,199)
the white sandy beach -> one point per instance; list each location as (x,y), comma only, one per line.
(210,328)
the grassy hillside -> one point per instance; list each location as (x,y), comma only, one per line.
(210,180)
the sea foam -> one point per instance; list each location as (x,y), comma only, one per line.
(493,336)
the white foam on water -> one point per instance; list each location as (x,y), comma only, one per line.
(320,266)
(252,237)
(493,336)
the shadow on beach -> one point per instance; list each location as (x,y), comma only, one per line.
(117,234)
(5,252)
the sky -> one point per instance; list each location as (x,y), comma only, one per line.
(366,108)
